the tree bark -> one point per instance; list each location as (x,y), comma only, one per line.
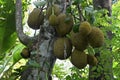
(107,63)
(26,40)
(42,60)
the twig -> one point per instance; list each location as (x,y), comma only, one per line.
(80,13)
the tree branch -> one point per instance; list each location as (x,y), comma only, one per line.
(25,39)
(80,12)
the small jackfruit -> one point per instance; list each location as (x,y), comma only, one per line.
(96,37)
(85,28)
(53,21)
(79,59)
(62,48)
(55,8)
(35,19)
(92,60)
(78,41)
(25,53)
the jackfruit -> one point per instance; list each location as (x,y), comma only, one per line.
(96,38)
(53,21)
(85,28)
(25,53)
(35,19)
(79,59)
(78,41)
(55,8)
(92,60)
(62,48)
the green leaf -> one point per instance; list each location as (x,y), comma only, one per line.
(16,53)
(7,42)
(2,30)
(77,2)
(76,28)
(89,9)
(68,77)
(39,3)
(94,68)
(90,50)
(68,10)
(7,26)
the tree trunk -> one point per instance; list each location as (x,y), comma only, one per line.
(105,63)
(42,60)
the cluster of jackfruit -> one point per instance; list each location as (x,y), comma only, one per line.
(80,59)
(63,24)
(60,21)
(86,35)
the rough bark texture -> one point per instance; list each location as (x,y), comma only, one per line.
(42,54)
(103,4)
(41,46)
(106,73)
(26,40)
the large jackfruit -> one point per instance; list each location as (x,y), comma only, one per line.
(62,48)
(78,41)
(96,37)
(35,18)
(79,59)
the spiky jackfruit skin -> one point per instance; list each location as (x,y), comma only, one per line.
(62,48)
(79,59)
(35,19)
(53,21)
(78,41)
(92,60)
(49,10)
(64,26)
(96,38)
(85,28)
(25,53)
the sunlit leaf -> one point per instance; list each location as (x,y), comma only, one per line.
(39,3)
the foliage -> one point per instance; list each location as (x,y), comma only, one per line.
(58,71)
(116,39)
(95,17)
(7,26)
(9,44)
(8,63)
(67,72)
(77,74)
